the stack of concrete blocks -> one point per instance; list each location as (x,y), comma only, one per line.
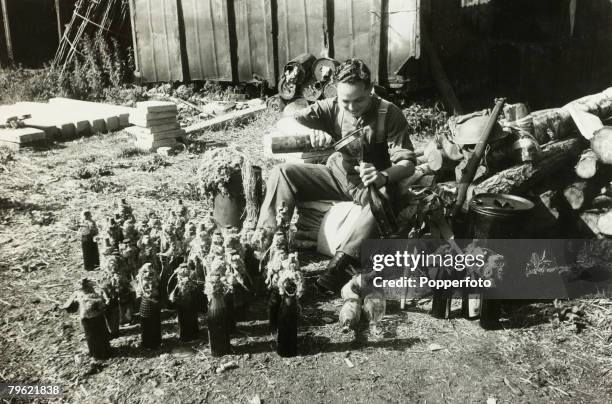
(156,125)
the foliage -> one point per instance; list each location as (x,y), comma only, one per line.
(425,120)
(99,71)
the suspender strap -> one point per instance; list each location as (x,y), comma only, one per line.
(381,134)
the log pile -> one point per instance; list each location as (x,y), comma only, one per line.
(572,176)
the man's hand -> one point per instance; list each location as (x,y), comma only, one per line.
(370,175)
(320,139)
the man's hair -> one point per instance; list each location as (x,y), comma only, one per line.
(353,71)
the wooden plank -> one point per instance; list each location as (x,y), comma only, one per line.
(155,107)
(152,116)
(207,39)
(138,130)
(148,123)
(254,36)
(22,135)
(47,114)
(172,134)
(156,33)
(216,122)
(109,110)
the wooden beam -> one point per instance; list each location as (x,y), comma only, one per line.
(58,16)
(7,33)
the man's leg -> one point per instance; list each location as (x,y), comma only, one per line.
(290,182)
(365,228)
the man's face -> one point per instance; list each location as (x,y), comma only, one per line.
(354,98)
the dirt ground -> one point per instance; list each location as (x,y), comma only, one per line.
(418,358)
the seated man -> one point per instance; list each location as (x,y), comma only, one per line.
(344,177)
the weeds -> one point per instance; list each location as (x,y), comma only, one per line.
(6,156)
(92,171)
(152,164)
(99,72)
(130,151)
(99,186)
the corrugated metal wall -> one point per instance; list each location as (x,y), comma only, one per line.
(193,39)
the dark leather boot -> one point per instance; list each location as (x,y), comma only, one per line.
(339,271)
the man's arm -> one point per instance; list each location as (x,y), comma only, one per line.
(313,120)
(401,153)
(401,150)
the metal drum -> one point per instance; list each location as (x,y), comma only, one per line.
(499,216)
(323,69)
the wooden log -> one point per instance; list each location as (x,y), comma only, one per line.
(548,199)
(602,202)
(604,223)
(587,164)
(518,179)
(578,194)
(601,143)
(514,112)
(599,104)
(552,124)
(588,223)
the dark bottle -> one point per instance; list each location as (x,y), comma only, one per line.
(441,304)
(381,207)
(187,321)
(382,210)
(89,231)
(218,335)
(96,334)
(490,311)
(230,314)
(113,317)
(150,323)
(91,307)
(274,302)
(286,340)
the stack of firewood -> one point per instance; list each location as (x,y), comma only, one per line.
(568,138)
(573,166)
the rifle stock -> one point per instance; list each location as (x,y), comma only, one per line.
(474,161)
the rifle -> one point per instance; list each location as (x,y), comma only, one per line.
(474,161)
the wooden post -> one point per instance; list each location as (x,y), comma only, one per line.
(7,33)
(58,15)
